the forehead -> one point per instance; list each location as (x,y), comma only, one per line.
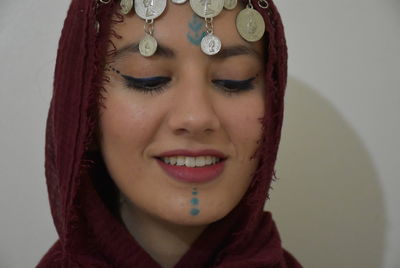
(180,29)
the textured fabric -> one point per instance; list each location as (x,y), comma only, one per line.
(90,234)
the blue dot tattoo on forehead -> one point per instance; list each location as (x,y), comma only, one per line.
(195,203)
(196,30)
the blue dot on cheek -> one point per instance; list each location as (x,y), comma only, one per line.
(194,201)
(194,211)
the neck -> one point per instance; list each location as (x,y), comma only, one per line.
(164,241)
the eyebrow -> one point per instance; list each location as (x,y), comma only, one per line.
(164,51)
(237,50)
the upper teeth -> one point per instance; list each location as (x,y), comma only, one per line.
(199,161)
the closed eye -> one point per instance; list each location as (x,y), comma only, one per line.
(157,84)
(147,84)
(235,86)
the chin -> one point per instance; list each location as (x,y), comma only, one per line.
(204,217)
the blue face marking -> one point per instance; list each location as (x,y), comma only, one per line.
(194,191)
(194,211)
(195,201)
(196,30)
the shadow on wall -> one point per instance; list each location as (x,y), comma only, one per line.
(327,202)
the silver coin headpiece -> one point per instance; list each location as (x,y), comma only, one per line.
(249,22)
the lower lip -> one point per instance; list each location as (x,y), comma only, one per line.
(195,175)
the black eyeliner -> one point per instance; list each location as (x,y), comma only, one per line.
(145,84)
(236,85)
(158,83)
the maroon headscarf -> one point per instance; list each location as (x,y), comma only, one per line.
(81,193)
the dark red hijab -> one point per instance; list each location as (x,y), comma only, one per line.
(82,195)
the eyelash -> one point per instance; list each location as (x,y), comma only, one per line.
(159,83)
(147,85)
(235,86)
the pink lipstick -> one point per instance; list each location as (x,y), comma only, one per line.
(192,166)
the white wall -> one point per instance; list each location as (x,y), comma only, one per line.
(336,200)
(28,39)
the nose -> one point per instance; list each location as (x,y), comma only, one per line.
(193,111)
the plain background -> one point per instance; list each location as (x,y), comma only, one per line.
(337,198)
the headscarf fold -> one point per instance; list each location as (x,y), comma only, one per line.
(90,234)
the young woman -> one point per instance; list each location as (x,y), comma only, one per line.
(163,132)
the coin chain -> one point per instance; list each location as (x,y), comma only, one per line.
(249,22)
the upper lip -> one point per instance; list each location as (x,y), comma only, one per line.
(193,153)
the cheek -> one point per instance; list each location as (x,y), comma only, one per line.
(242,121)
(123,124)
(125,127)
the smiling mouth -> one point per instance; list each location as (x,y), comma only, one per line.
(190,161)
(192,169)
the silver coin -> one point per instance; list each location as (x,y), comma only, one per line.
(207,8)
(250,24)
(230,4)
(126,6)
(178,1)
(210,44)
(150,9)
(148,46)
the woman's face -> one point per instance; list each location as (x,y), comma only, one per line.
(179,129)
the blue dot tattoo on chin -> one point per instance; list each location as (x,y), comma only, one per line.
(195,202)
(194,211)
(196,30)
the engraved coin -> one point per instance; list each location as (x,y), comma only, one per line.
(207,8)
(150,9)
(230,4)
(126,6)
(178,1)
(148,46)
(210,44)
(250,24)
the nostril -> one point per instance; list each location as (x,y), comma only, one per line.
(180,131)
(191,118)
(208,130)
